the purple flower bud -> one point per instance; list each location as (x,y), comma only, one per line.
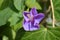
(32,20)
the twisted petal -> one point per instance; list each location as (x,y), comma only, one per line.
(38,18)
(25,15)
(33,12)
(28,26)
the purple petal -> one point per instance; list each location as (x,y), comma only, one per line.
(25,15)
(39,17)
(29,27)
(33,12)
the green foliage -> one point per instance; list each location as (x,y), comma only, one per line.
(1,1)
(5,38)
(32,3)
(6,32)
(57,9)
(14,18)
(19,4)
(41,34)
(18,25)
(11,21)
(4,15)
(11,35)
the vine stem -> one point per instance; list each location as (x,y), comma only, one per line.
(53,22)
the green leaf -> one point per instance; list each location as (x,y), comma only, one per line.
(5,15)
(18,25)
(16,21)
(5,38)
(13,19)
(13,34)
(8,34)
(32,3)
(41,34)
(5,4)
(19,4)
(1,1)
(57,9)
(21,13)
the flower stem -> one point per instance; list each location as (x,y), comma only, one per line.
(53,23)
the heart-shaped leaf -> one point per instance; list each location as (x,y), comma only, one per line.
(42,34)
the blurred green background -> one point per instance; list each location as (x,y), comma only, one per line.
(11,20)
